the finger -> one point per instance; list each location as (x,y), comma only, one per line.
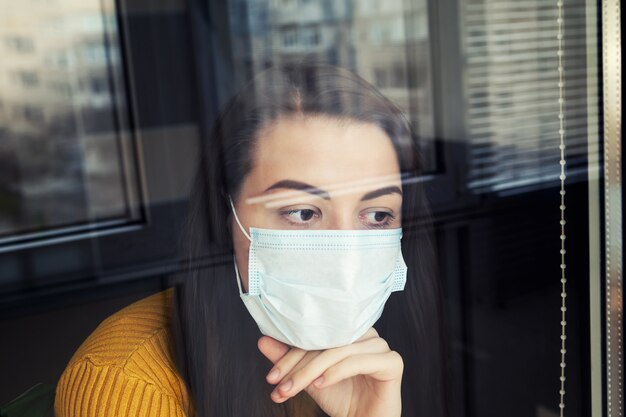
(382,367)
(294,360)
(285,364)
(303,376)
(273,349)
(286,376)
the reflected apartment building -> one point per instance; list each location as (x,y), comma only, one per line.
(58,145)
(384,42)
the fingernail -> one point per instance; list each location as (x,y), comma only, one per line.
(273,374)
(319,381)
(285,386)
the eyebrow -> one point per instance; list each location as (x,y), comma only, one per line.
(383,191)
(301,186)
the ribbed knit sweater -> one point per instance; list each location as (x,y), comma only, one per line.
(125,368)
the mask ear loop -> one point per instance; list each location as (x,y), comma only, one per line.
(237,276)
(237,219)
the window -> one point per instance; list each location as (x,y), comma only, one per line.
(105,107)
(80,151)
(27,79)
(19,43)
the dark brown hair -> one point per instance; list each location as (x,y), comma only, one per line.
(215,337)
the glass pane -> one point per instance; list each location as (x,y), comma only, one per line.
(64,158)
(467,176)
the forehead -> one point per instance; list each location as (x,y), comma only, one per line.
(322,150)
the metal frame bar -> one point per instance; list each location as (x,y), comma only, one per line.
(612,86)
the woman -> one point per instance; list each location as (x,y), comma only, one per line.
(312,148)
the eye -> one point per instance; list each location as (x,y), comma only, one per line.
(299,216)
(378,218)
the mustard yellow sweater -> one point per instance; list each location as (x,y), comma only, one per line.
(125,368)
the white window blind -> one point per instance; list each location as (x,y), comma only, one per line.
(511,92)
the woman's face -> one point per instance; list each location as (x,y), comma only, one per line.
(318,173)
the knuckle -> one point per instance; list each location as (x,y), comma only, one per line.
(380,343)
(330,374)
(375,344)
(396,358)
(370,333)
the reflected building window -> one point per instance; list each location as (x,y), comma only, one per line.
(19,44)
(28,79)
(63,147)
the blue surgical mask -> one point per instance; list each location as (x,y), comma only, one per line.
(319,289)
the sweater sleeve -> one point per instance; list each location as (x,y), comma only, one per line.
(89,390)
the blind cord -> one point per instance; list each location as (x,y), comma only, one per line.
(562,205)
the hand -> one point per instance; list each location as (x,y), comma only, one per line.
(362,379)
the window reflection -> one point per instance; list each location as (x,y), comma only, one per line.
(506,62)
(61,149)
(385,43)
(511,92)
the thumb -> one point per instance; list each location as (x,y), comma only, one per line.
(272,348)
